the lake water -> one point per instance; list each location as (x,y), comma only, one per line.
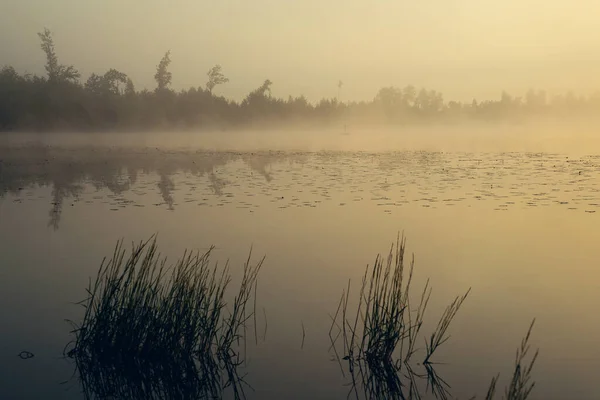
(521,229)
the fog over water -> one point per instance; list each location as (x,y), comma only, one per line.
(577,136)
(313,133)
(519,226)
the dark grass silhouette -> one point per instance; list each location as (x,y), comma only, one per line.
(151,331)
(379,340)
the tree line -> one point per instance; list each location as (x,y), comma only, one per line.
(61,101)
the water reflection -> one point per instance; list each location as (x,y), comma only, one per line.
(502,181)
(395,381)
(516,239)
(66,170)
(183,379)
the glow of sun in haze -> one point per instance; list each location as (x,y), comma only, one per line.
(463,48)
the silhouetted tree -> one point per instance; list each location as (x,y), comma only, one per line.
(264,89)
(410,94)
(114,79)
(215,77)
(94,84)
(129,88)
(163,76)
(56,72)
(260,94)
(535,101)
(11,97)
(111,83)
(109,101)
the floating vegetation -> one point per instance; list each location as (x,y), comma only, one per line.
(379,340)
(387,180)
(151,331)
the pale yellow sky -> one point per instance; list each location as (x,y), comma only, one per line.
(464,48)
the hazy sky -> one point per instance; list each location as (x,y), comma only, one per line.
(464,48)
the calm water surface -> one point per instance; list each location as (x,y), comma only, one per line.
(521,229)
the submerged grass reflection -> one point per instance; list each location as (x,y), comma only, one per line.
(170,379)
(150,330)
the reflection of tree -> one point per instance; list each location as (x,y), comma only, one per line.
(65,170)
(59,194)
(259,164)
(216,184)
(166,187)
(110,177)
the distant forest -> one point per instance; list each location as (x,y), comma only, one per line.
(61,101)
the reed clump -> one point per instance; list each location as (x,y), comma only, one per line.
(386,324)
(379,338)
(141,312)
